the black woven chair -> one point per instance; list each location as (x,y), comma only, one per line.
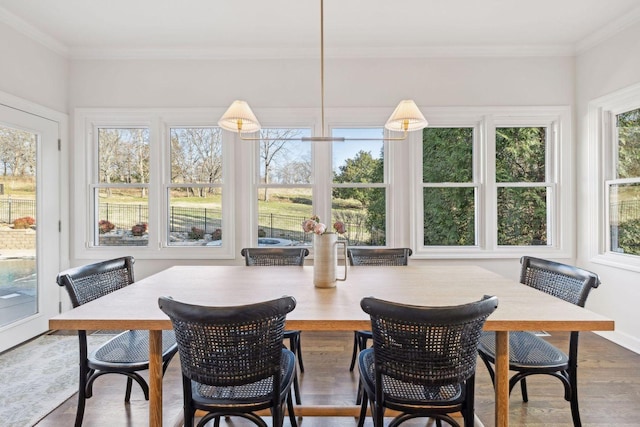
(372,256)
(232,358)
(281,256)
(126,353)
(528,353)
(423,360)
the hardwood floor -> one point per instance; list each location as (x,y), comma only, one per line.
(609,386)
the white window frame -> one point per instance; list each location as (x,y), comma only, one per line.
(396,158)
(260,186)
(273,118)
(602,151)
(159,121)
(559,173)
(321,152)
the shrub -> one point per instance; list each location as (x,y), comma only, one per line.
(262,233)
(139,229)
(629,237)
(24,222)
(105,226)
(196,233)
(217,234)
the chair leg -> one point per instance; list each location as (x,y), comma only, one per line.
(468,408)
(523,389)
(127,394)
(575,412)
(290,410)
(81,398)
(299,352)
(296,347)
(355,351)
(85,372)
(363,410)
(296,388)
(360,394)
(489,368)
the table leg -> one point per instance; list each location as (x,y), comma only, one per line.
(155,378)
(502,379)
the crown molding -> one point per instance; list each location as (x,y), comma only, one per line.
(307,53)
(32,32)
(608,31)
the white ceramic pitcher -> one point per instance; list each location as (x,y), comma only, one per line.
(325,259)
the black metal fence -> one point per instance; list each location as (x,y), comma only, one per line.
(283,227)
(628,210)
(10,209)
(290,227)
(182,219)
(123,216)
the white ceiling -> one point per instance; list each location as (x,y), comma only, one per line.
(272,28)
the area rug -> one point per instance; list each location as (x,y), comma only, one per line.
(38,376)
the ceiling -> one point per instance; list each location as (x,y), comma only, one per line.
(291,28)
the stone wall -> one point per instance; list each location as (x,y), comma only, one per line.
(17,239)
(122,240)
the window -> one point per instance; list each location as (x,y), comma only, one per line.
(285,196)
(195,193)
(449,187)
(120,193)
(158,184)
(488,182)
(359,187)
(613,184)
(523,190)
(623,189)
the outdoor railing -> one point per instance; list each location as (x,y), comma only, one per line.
(11,209)
(184,219)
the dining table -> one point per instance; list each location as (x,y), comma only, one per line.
(336,308)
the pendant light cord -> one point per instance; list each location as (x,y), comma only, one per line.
(322,64)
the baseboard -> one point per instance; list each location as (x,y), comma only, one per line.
(625,340)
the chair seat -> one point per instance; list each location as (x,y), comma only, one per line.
(402,393)
(256,395)
(526,351)
(129,351)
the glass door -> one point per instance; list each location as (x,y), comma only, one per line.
(29,231)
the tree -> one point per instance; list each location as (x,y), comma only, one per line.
(196,157)
(17,152)
(275,153)
(123,156)
(449,212)
(364,168)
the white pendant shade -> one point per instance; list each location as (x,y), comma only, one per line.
(406,117)
(239,118)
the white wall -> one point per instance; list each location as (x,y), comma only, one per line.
(296,83)
(31,71)
(610,66)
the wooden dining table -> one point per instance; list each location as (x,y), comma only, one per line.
(331,309)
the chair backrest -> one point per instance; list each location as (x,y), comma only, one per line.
(432,346)
(92,281)
(379,256)
(567,282)
(274,256)
(227,346)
